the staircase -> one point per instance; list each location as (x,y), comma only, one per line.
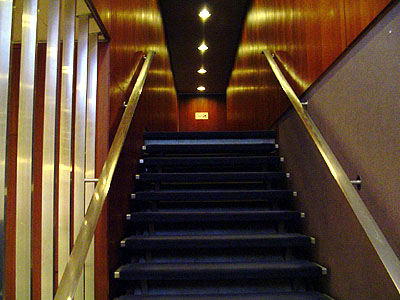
(212,220)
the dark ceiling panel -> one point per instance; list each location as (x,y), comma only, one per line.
(185,31)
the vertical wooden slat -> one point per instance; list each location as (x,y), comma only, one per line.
(24,151)
(80,130)
(49,140)
(90,154)
(5,46)
(64,180)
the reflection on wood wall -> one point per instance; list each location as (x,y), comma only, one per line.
(12,171)
(215,106)
(306,36)
(137,26)
(134,27)
(101,152)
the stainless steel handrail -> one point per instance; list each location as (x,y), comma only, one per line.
(73,270)
(371,228)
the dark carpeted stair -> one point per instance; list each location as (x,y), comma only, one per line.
(265,296)
(212,219)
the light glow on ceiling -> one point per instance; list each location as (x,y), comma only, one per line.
(204,14)
(203,47)
(202,70)
(201,88)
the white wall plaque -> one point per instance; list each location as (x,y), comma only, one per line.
(201,116)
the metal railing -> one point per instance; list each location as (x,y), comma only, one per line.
(73,270)
(371,228)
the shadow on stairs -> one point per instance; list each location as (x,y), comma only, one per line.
(212,219)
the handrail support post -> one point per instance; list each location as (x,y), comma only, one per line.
(357,182)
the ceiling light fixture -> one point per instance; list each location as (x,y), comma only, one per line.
(204,14)
(202,70)
(203,47)
(201,88)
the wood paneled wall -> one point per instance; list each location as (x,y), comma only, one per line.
(135,27)
(102,141)
(12,174)
(102,132)
(359,13)
(306,37)
(12,171)
(214,105)
(357,110)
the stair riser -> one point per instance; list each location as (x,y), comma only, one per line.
(212,161)
(210,216)
(210,135)
(213,217)
(218,177)
(204,149)
(217,275)
(274,296)
(208,141)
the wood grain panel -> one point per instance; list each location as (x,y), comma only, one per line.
(102,141)
(214,105)
(306,36)
(103,8)
(359,14)
(135,27)
(12,173)
(37,172)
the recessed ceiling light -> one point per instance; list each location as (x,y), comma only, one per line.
(203,47)
(201,88)
(204,14)
(202,71)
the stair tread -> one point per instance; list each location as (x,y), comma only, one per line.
(213,176)
(209,148)
(217,240)
(259,296)
(201,161)
(219,234)
(213,195)
(212,215)
(209,135)
(219,270)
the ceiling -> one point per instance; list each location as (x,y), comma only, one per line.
(185,31)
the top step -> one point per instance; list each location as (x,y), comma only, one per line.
(277,295)
(209,135)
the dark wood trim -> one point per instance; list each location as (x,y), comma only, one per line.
(99,21)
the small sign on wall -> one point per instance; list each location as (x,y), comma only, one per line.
(201,116)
